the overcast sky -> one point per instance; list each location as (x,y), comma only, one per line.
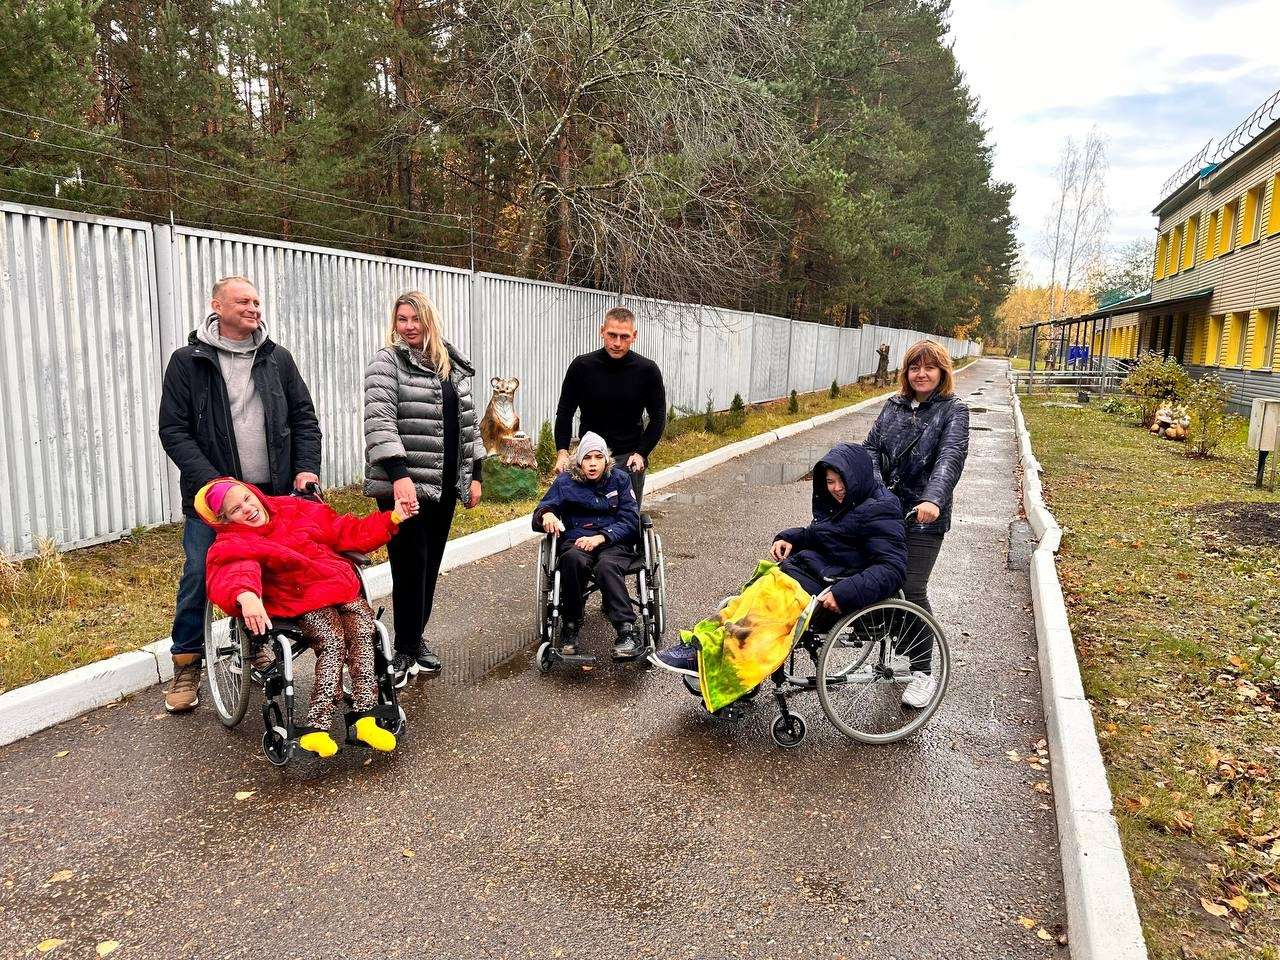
(1158,77)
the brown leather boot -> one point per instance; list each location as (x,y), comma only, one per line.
(183,694)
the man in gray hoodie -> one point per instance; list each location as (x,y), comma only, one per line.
(233,404)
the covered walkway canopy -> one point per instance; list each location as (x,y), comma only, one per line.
(1097,328)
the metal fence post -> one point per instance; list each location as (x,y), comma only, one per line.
(164,247)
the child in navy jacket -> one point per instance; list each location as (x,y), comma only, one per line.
(593,508)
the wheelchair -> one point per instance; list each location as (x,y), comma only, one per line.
(229,650)
(858,665)
(648,567)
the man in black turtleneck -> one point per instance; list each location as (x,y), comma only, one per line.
(613,387)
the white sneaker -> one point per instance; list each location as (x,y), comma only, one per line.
(920,690)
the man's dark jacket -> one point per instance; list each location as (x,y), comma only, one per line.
(920,453)
(860,543)
(195,418)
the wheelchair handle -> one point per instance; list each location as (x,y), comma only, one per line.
(310,491)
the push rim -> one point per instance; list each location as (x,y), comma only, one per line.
(226,657)
(865,664)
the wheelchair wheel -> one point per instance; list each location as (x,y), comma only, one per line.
(788,730)
(541,585)
(544,657)
(658,587)
(275,739)
(867,662)
(226,656)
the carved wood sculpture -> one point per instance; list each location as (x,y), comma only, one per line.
(500,421)
(882,365)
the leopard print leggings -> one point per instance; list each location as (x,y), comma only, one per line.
(338,634)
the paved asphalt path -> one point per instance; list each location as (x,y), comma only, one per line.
(584,814)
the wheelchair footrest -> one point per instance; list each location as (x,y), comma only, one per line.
(576,659)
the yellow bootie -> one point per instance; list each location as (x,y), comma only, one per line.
(368,731)
(318,742)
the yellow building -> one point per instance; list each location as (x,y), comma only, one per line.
(1215,290)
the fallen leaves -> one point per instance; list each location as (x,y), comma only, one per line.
(53,943)
(107,947)
(60,876)
(245,794)
(60,754)
(1027,923)
(408,854)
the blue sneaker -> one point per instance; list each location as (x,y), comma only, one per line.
(680,657)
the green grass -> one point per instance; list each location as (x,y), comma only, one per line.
(119,596)
(1176,617)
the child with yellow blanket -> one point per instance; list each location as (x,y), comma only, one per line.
(854,550)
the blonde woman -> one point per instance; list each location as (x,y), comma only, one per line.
(919,444)
(422,456)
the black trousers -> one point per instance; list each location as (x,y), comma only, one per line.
(610,562)
(922,554)
(637,478)
(415,553)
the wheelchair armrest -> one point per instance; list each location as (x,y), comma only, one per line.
(356,557)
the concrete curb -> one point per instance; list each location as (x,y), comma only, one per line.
(43,704)
(1102,916)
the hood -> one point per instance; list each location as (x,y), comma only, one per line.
(853,463)
(207,332)
(211,518)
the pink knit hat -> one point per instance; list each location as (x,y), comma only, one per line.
(216,492)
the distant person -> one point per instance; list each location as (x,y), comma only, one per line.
(233,404)
(614,388)
(423,455)
(919,444)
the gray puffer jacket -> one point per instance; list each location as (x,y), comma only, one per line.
(404,417)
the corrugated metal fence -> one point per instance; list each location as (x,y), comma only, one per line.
(91,308)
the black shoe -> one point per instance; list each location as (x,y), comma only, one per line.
(403,666)
(428,662)
(627,646)
(569,638)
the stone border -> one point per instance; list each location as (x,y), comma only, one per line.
(47,702)
(1102,916)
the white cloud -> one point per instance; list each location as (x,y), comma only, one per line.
(1158,77)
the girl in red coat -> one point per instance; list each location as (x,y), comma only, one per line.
(278,556)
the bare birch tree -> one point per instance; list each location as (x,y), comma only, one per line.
(1079,218)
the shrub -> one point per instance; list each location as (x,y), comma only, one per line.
(681,422)
(737,414)
(1206,401)
(793,405)
(545,452)
(1154,380)
(710,422)
(835,389)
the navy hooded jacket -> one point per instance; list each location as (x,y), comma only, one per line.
(607,506)
(920,453)
(860,543)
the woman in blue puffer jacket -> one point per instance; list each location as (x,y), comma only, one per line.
(919,444)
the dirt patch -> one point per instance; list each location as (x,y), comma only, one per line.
(1249,523)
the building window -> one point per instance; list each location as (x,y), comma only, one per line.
(1251,218)
(1162,242)
(1234,340)
(1263,341)
(1273,221)
(1227,228)
(1175,249)
(1211,236)
(1189,242)
(1213,342)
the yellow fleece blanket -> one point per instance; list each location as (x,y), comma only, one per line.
(749,638)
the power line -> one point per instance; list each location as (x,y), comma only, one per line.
(349,206)
(444,219)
